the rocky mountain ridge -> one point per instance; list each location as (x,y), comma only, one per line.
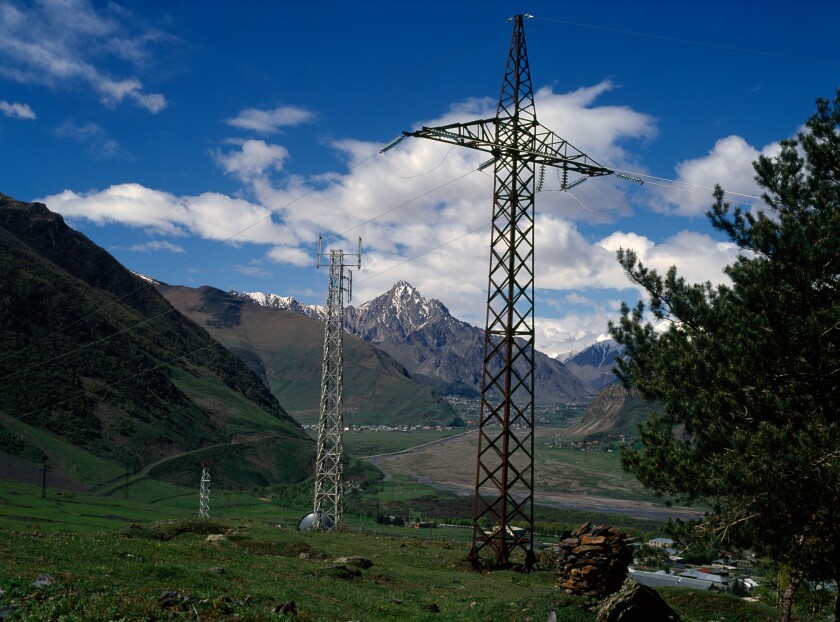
(594,364)
(435,347)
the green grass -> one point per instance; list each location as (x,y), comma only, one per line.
(232,410)
(694,606)
(112,558)
(65,457)
(121,575)
(593,471)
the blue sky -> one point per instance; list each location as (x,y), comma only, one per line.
(213,142)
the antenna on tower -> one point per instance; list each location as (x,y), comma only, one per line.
(328,504)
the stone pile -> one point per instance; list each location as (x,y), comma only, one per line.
(593,561)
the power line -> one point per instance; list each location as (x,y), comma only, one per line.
(109,385)
(172,309)
(707,44)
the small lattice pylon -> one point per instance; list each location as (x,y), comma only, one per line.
(204,492)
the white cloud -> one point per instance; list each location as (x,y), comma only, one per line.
(254,159)
(729,164)
(574,329)
(156,246)
(252,271)
(697,256)
(17,111)
(270,121)
(58,43)
(209,215)
(423,212)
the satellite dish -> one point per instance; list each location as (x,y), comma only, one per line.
(316,520)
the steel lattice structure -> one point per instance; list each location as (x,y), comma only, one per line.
(204,493)
(328,505)
(504,486)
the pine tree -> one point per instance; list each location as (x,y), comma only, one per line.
(747,373)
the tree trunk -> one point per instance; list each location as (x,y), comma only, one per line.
(787,596)
(837,601)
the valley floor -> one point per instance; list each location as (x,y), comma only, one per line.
(567,478)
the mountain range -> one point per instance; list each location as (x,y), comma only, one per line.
(285,349)
(435,348)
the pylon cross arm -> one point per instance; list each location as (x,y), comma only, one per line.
(543,146)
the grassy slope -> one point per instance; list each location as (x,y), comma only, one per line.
(99,370)
(105,573)
(288,348)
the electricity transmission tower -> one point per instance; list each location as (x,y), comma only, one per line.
(503,506)
(328,506)
(204,492)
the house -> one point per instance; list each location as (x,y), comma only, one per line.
(660,579)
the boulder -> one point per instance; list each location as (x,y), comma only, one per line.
(635,602)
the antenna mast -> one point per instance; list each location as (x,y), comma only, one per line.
(504,482)
(328,506)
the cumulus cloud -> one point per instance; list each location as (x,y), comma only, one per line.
(729,164)
(16,111)
(423,211)
(209,215)
(65,43)
(270,121)
(253,159)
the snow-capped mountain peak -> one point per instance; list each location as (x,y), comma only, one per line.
(284,303)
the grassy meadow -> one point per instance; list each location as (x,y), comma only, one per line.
(141,552)
(149,558)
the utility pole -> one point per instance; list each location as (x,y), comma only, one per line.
(44,480)
(328,505)
(518,144)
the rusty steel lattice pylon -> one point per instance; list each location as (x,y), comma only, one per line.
(503,508)
(328,505)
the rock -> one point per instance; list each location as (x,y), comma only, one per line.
(216,537)
(552,616)
(395,601)
(635,602)
(433,608)
(44,580)
(171,599)
(288,608)
(216,570)
(303,556)
(342,572)
(355,560)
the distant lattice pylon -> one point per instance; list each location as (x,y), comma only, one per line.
(204,493)
(328,505)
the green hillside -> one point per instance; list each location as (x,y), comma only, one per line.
(286,350)
(98,373)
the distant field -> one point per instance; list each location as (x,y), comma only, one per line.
(567,478)
(374,442)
